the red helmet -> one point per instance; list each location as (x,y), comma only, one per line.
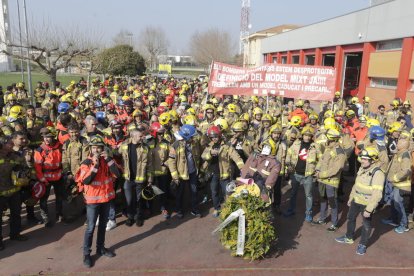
(214,131)
(102,92)
(38,190)
(110,106)
(161,109)
(156,127)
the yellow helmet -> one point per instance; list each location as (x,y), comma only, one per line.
(372,122)
(173,115)
(191,111)
(328,114)
(236,97)
(362,119)
(404,134)
(395,103)
(339,113)
(244,117)
(209,106)
(337,93)
(395,127)
(354,100)
(369,152)
(167,92)
(313,116)
(267,117)
(16,111)
(407,102)
(125,98)
(307,130)
(222,123)
(20,85)
(257,110)
(164,104)
(238,127)
(136,113)
(116,87)
(329,123)
(145,92)
(106,101)
(232,108)
(189,120)
(299,103)
(255,99)
(151,98)
(333,134)
(220,108)
(164,118)
(183,98)
(366,99)
(275,128)
(214,101)
(350,113)
(81,98)
(296,121)
(3,121)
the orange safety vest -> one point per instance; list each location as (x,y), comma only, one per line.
(48,162)
(101,189)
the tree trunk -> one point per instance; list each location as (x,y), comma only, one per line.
(52,77)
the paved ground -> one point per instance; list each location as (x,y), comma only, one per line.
(178,247)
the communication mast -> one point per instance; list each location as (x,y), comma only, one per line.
(244,23)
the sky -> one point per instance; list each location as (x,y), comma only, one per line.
(180,18)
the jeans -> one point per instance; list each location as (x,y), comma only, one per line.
(14,204)
(399,203)
(163,182)
(59,190)
(307,181)
(328,195)
(132,192)
(218,186)
(192,182)
(112,208)
(353,213)
(92,213)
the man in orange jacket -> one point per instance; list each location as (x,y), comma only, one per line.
(95,178)
(48,166)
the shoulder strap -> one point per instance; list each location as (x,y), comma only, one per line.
(373,173)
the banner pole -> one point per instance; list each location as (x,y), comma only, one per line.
(267,104)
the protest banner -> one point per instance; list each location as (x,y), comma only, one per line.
(287,80)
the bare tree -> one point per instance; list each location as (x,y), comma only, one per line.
(124,37)
(53,48)
(154,42)
(213,44)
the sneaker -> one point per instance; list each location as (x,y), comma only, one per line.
(401,229)
(87,261)
(344,239)
(196,214)
(361,249)
(332,228)
(216,213)
(110,225)
(59,217)
(319,222)
(165,214)
(139,222)
(288,213)
(105,252)
(308,218)
(129,222)
(389,222)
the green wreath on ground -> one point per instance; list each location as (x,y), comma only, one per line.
(260,233)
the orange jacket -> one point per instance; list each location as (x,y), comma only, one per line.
(48,162)
(299,112)
(97,180)
(63,135)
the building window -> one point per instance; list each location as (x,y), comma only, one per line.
(274,59)
(310,59)
(284,60)
(295,59)
(384,83)
(389,45)
(412,85)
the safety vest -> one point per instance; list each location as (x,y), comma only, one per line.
(48,162)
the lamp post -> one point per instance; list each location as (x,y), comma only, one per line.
(29,71)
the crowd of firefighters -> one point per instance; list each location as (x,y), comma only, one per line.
(118,138)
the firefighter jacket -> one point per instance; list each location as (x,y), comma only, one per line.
(265,165)
(391,116)
(33,126)
(63,135)
(330,165)
(383,159)
(73,153)
(368,187)
(144,162)
(203,127)
(243,145)
(177,159)
(399,172)
(226,154)
(293,156)
(114,144)
(48,162)
(261,135)
(279,149)
(160,152)
(347,144)
(97,180)
(10,162)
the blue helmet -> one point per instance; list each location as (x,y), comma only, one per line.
(187,131)
(63,107)
(100,116)
(376,133)
(98,103)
